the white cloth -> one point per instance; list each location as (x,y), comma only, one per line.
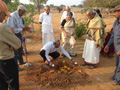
(64,15)
(50,48)
(16,22)
(91,53)
(46,21)
(47,37)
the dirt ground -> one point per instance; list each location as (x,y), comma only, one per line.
(41,77)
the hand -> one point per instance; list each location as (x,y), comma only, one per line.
(26,28)
(118,53)
(12,29)
(50,63)
(30,30)
(65,34)
(96,45)
(11,48)
(106,49)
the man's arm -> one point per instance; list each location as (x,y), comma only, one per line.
(64,52)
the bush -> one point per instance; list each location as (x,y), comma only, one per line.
(80,29)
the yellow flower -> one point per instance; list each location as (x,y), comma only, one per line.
(63,61)
(65,66)
(65,71)
(68,68)
(79,70)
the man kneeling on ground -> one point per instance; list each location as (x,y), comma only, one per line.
(51,49)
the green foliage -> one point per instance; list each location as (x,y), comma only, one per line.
(101,3)
(12,6)
(6,1)
(28,17)
(39,3)
(80,29)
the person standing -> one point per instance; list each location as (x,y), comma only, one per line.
(47,30)
(16,22)
(115,38)
(64,15)
(8,41)
(68,29)
(94,40)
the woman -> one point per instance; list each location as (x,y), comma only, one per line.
(68,29)
(110,53)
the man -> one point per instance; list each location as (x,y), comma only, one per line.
(16,22)
(51,49)
(64,15)
(116,39)
(47,29)
(94,40)
(8,42)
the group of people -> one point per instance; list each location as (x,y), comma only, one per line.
(94,43)
(11,41)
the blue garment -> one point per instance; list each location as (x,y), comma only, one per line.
(115,38)
(23,21)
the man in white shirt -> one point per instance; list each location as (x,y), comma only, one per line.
(51,49)
(47,29)
(64,15)
(16,23)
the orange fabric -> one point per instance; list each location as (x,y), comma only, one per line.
(4,8)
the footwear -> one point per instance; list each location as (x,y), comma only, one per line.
(92,67)
(20,69)
(83,64)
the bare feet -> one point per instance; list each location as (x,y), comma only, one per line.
(113,83)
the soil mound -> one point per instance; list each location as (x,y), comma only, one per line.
(64,73)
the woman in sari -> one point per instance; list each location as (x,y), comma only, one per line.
(68,29)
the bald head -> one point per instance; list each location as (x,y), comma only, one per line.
(90,14)
(68,8)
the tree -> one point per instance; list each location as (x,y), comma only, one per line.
(101,3)
(12,6)
(39,3)
(6,1)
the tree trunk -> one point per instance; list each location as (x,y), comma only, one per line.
(38,6)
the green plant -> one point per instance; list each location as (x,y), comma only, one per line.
(80,29)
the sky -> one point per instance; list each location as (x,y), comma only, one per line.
(58,2)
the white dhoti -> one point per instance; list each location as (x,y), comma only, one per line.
(47,37)
(90,52)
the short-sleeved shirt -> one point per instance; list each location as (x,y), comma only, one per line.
(63,22)
(46,21)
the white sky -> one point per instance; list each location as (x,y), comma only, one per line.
(58,2)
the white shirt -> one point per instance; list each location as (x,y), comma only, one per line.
(50,48)
(46,21)
(16,22)
(64,15)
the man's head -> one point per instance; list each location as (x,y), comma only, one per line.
(69,15)
(3,11)
(90,14)
(21,10)
(68,8)
(47,9)
(57,43)
(117,12)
